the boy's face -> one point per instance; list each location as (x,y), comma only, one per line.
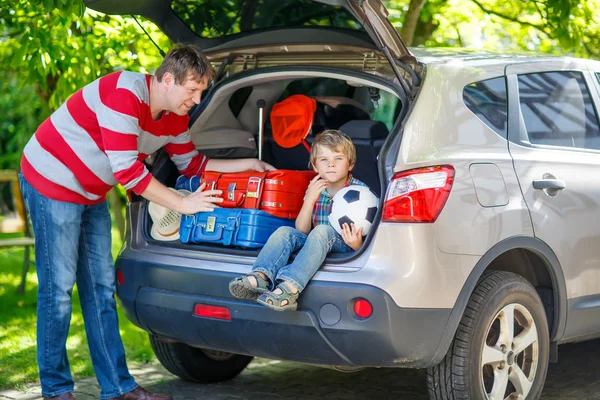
(332,165)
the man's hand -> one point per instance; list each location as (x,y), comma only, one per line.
(262,166)
(351,236)
(315,187)
(200,200)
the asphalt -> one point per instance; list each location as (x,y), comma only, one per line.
(575,377)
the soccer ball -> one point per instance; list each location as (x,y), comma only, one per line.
(353,204)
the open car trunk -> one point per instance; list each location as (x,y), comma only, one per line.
(226,125)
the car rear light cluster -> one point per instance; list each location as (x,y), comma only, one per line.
(210,311)
(418,195)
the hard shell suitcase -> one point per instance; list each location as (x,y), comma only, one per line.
(231,227)
(279,193)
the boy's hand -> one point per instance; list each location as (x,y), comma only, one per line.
(351,236)
(315,187)
(262,166)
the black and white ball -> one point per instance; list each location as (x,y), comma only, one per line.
(354,204)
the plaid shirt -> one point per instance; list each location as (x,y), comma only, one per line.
(322,208)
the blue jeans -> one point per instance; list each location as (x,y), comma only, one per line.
(274,257)
(73,245)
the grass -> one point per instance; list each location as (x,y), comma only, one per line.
(18,365)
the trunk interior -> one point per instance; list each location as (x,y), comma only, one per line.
(226,125)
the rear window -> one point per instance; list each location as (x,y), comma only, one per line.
(487,100)
(216,18)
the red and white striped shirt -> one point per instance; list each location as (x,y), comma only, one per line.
(100,136)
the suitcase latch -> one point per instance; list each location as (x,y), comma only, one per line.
(210,224)
(273,182)
(210,184)
(231,192)
(253,189)
(271,204)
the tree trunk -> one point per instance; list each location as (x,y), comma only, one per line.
(248,12)
(410,21)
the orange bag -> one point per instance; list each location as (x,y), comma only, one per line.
(291,120)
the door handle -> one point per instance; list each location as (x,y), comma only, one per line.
(550,186)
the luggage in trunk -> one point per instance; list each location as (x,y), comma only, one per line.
(231,227)
(279,193)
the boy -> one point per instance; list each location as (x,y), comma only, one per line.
(333,156)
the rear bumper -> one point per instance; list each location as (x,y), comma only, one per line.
(160,299)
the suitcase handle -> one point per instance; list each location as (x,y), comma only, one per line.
(221,231)
(214,236)
(188,222)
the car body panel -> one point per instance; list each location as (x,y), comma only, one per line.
(563,221)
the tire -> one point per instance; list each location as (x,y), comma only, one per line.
(198,365)
(463,373)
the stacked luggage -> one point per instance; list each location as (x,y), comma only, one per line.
(254,205)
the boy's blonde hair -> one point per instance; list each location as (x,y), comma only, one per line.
(336,141)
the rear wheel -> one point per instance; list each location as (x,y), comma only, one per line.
(198,365)
(501,348)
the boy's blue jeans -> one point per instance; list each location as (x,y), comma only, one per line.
(73,245)
(274,257)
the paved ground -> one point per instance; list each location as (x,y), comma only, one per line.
(575,377)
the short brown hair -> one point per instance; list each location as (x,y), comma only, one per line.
(186,61)
(336,141)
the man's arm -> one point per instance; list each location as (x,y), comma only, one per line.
(198,201)
(241,164)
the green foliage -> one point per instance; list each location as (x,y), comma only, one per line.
(549,26)
(61,51)
(21,110)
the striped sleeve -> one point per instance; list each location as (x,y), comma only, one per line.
(119,127)
(185,156)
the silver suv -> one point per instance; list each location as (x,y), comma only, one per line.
(486,252)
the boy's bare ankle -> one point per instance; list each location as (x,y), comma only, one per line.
(291,286)
(262,275)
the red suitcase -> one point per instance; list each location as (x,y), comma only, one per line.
(279,193)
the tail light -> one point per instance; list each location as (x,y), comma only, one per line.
(418,195)
(362,308)
(120,277)
(209,311)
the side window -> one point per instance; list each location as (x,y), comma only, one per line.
(388,109)
(487,100)
(557,110)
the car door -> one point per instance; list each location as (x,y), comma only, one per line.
(554,140)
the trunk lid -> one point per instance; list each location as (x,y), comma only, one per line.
(284,26)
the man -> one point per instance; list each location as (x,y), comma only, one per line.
(96,139)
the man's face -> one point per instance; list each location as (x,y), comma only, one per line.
(182,97)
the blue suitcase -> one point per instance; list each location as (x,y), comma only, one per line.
(231,227)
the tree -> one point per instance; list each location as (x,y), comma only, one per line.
(552,26)
(61,51)
(51,48)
